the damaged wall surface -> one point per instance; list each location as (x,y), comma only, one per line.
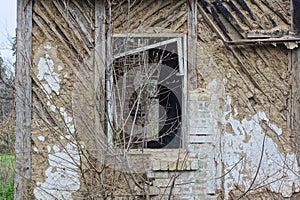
(232,62)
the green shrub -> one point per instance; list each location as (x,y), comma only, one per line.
(7,191)
(7,165)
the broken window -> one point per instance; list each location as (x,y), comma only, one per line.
(147,81)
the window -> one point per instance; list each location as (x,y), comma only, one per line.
(147,83)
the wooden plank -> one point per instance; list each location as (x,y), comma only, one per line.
(150,12)
(99,67)
(184,116)
(109,78)
(79,74)
(225,12)
(23,100)
(81,37)
(240,14)
(42,27)
(266,3)
(192,43)
(211,24)
(246,7)
(79,20)
(267,33)
(122,17)
(180,22)
(88,19)
(53,28)
(295,89)
(58,29)
(262,41)
(165,20)
(295,99)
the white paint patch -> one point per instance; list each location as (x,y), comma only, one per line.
(278,171)
(46,72)
(41,138)
(47,47)
(68,120)
(262,116)
(55,148)
(52,107)
(49,149)
(46,88)
(59,68)
(68,137)
(62,174)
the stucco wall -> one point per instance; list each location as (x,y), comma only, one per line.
(238,127)
(256,146)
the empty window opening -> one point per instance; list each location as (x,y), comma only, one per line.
(147,93)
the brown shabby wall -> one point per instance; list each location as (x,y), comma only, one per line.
(162,17)
(67,148)
(256,76)
(63,95)
(257,79)
(144,16)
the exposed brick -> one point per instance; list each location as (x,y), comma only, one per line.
(158,174)
(156,165)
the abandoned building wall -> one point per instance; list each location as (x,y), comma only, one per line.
(63,96)
(257,151)
(143,16)
(247,91)
(237,138)
(176,173)
(252,125)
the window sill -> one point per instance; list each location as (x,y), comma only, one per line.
(165,159)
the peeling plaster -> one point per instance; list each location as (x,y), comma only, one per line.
(49,149)
(59,68)
(62,174)
(41,138)
(68,120)
(52,107)
(278,171)
(46,72)
(68,137)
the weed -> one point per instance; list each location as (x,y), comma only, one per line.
(7,159)
(7,164)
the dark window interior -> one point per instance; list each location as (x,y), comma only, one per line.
(162,87)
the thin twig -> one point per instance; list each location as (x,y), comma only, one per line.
(257,170)
(230,169)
